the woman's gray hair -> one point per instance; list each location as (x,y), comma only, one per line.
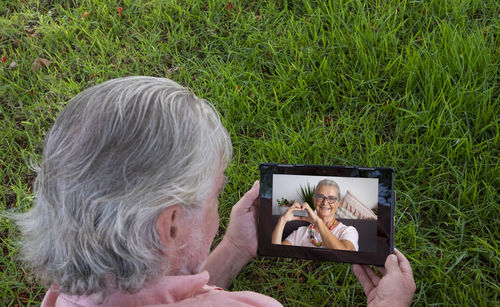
(327,182)
(117,155)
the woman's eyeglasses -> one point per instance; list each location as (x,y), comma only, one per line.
(329,199)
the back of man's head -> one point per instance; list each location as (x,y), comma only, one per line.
(117,155)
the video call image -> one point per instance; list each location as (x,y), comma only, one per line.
(344,208)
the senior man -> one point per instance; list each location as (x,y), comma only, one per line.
(126,204)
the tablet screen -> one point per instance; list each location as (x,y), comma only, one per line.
(334,213)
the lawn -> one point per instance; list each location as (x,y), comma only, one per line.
(413,85)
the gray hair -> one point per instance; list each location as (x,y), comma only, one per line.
(118,154)
(327,182)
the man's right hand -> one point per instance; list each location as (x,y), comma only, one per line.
(395,288)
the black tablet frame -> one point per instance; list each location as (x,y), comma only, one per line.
(385,213)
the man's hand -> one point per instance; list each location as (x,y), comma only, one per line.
(395,288)
(239,244)
(242,229)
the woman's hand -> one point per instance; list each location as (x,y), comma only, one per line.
(280,225)
(311,217)
(288,215)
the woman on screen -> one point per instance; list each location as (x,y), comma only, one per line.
(324,231)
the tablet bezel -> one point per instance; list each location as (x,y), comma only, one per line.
(385,213)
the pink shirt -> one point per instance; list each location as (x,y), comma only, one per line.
(187,290)
(302,236)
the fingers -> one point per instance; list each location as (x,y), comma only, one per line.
(294,207)
(311,216)
(391,264)
(306,206)
(288,215)
(363,278)
(371,273)
(404,264)
(407,271)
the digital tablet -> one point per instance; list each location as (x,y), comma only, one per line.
(333,213)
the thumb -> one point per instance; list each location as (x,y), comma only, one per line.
(255,189)
(391,264)
(250,196)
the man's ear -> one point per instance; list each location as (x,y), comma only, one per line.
(167,225)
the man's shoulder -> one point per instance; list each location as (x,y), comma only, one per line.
(228,298)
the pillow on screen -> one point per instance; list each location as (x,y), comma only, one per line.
(343,213)
(353,208)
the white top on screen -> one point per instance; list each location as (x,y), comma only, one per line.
(301,236)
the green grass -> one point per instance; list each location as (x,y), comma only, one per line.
(409,84)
